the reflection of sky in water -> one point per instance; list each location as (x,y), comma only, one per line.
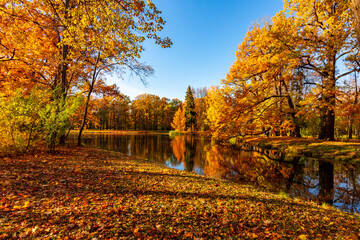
(198,155)
(179,166)
(198,170)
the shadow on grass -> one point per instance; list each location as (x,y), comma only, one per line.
(43,181)
(82,194)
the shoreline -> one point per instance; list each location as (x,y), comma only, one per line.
(345,150)
(327,150)
(92,193)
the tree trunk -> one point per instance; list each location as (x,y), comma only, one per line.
(84,116)
(327,109)
(327,125)
(62,93)
(296,132)
(91,87)
(356,11)
(350,132)
(63,79)
(326,182)
(351,123)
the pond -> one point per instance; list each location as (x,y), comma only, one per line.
(336,183)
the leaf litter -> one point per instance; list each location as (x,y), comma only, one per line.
(90,193)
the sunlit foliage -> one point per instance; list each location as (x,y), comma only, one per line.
(60,45)
(287,73)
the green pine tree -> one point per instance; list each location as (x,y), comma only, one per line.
(190,113)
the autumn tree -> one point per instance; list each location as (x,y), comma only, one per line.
(172,107)
(348,107)
(19,121)
(146,112)
(200,108)
(190,113)
(218,113)
(263,87)
(324,37)
(288,70)
(63,36)
(179,121)
(356,11)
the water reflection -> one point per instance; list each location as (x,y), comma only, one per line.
(326,182)
(334,183)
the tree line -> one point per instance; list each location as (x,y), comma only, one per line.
(116,111)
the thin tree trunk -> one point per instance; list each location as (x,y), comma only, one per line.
(350,133)
(355,103)
(84,116)
(91,87)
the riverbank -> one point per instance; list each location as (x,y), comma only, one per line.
(140,132)
(120,132)
(329,150)
(94,194)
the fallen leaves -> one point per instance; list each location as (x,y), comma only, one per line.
(115,196)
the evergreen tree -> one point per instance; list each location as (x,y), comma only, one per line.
(190,113)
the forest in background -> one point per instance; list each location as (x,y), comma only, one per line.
(294,75)
(145,112)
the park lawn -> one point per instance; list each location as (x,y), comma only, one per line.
(330,150)
(88,193)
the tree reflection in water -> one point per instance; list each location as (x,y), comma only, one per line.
(326,182)
(336,183)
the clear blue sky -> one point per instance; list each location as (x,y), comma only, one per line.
(205,36)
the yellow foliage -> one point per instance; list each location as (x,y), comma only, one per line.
(179,121)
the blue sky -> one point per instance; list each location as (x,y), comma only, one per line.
(205,36)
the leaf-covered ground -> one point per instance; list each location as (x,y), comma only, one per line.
(85,193)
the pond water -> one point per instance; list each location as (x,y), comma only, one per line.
(336,183)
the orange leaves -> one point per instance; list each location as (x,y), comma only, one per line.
(286,70)
(149,201)
(57,45)
(136,232)
(218,110)
(179,147)
(179,121)
(139,5)
(24,206)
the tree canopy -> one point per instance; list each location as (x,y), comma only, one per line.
(289,72)
(56,45)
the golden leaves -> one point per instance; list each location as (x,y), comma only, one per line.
(136,198)
(284,70)
(179,120)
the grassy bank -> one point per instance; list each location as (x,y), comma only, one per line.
(332,150)
(86,193)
